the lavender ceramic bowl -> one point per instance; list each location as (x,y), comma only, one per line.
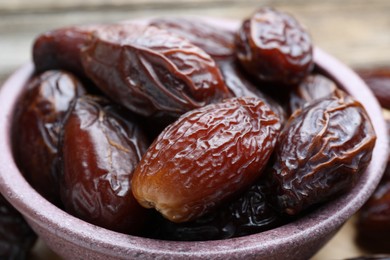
(73,238)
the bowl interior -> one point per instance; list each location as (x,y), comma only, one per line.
(318,226)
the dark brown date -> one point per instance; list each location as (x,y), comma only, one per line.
(373,223)
(321,152)
(36,127)
(238,83)
(61,48)
(205,157)
(101,146)
(16,237)
(151,71)
(216,41)
(378,80)
(240,86)
(311,89)
(248,214)
(374,218)
(272,46)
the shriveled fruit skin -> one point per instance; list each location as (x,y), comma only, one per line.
(322,151)
(101,146)
(16,236)
(241,86)
(152,72)
(37,123)
(219,43)
(216,41)
(272,46)
(205,157)
(311,89)
(373,223)
(374,217)
(378,80)
(247,214)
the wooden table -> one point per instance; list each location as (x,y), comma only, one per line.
(355,31)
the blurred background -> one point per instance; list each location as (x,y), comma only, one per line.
(357,32)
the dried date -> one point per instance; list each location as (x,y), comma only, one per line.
(378,80)
(61,49)
(248,214)
(238,83)
(205,157)
(37,123)
(240,86)
(374,218)
(101,146)
(151,71)
(311,89)
(16,236)
(272,46)
(373,223)
(321,152)
(216,41)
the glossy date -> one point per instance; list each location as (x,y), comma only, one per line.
(321,152)
(151,71)
(205,157)
(36,128)
(61,48)
(101,146)
(241,86)
(273,47)
(373,223)
(216,41)
(311,89)
(378,80)
(248,214)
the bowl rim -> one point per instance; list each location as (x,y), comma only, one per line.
(321,221)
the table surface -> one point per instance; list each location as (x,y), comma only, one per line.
(357,32)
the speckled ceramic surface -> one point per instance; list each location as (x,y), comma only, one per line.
(72,238)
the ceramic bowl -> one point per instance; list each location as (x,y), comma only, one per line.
(72,238)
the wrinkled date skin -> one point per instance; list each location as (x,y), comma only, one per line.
(214,40)
(152,72)
(101,146)
(219,43)
(206,156)
(16,237)
(321,152)
(36,127)
(248,214)
(273,47)
(378,80)
(237,83)
(240,86)
(311,89)
(374,217)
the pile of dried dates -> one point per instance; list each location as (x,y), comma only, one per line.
(180,129)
